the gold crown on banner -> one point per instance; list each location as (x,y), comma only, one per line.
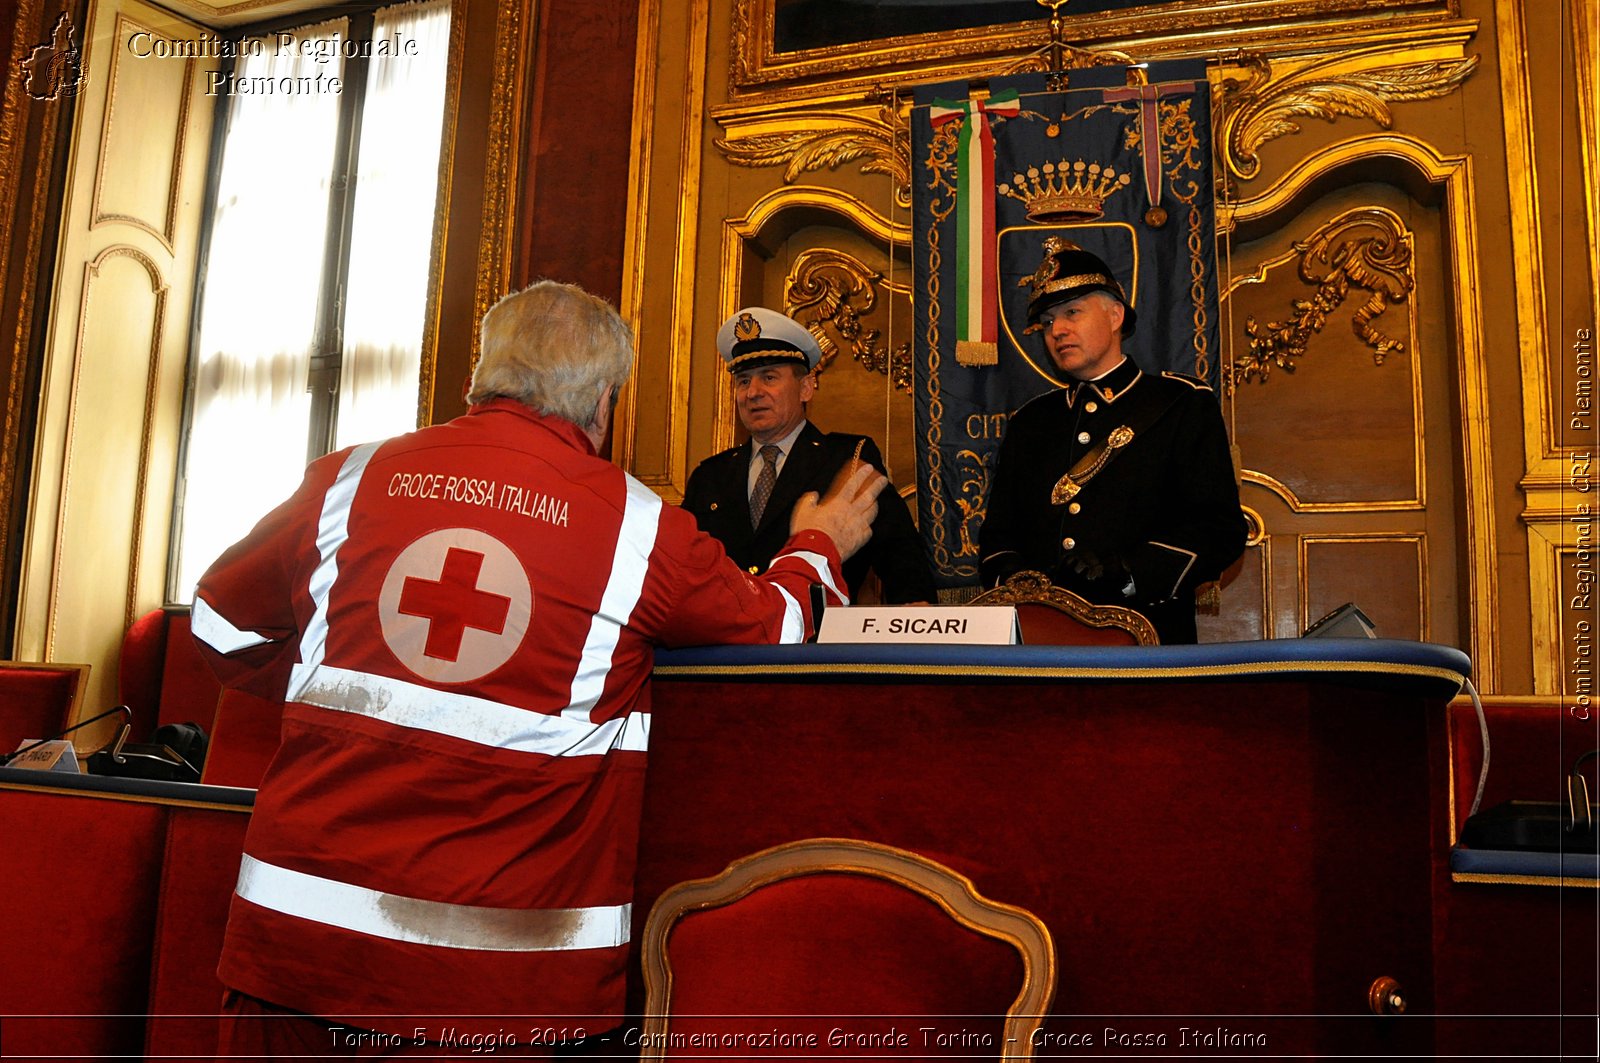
(1064,191)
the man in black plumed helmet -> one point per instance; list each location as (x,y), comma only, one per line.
(1119,486)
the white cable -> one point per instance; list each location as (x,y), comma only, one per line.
(1483,731)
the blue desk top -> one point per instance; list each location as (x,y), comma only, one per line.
(1440,670)
(1513,867)
(186,793)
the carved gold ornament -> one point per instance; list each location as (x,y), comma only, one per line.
(1261,108)
(1368,248)
(879,143)
(829,292)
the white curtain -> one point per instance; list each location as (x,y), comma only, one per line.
(250,416)
(392,233)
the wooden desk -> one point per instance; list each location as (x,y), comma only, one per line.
(1220,838)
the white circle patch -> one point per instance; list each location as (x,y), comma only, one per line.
(455,605)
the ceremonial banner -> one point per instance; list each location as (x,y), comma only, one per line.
(1122,171)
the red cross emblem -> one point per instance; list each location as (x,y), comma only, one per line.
(455,605)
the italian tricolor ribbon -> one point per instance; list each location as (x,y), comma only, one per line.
(977,296)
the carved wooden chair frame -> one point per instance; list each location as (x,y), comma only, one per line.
(950,890)
(1034,588)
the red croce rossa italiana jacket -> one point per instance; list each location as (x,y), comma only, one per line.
(460,622)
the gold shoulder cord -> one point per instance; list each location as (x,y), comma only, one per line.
(1085,470)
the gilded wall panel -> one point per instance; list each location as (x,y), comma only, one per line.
(1565,557)
(842,288)
(137,183)
(823,257)
(1547,62)
(1327,379)
(1351,225)
(1386,575)
(1246,610)
(1405,218)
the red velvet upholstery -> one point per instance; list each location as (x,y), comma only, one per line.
(243,740)
(1043,625)
(1532,744)
(198,873)
(1522,952)
(1195,847)
(37,700)
(163,679)
(189,690)
(139,666)
(79,893)
(825,947)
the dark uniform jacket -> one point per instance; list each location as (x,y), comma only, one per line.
(718,496)
(1164,511)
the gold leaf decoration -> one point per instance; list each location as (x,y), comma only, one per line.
(829,292)
(1260,109)
(874,142)
(1367,248)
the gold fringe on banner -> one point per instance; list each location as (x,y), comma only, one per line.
(976,353)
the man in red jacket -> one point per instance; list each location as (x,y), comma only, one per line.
(460,622)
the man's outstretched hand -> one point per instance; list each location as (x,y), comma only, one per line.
(846,513)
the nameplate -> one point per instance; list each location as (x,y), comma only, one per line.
(55,755)
(954,625)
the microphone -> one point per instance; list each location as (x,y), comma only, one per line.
(126,726)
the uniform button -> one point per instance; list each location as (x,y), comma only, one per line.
(713,505)
(754,570)
(1083,437)
(1075,508)
(1068,543)
(1090,407)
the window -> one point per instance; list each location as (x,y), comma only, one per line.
(313,287)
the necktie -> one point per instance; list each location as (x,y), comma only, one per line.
(764,481)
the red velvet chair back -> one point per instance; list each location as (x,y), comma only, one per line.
(162,678)
(38,700)
(1054,616)
(837,947)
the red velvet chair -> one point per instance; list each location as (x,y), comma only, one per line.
(161,676)
(834,947)
(38,700)
(1054,616)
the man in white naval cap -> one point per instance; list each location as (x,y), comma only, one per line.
(744,495)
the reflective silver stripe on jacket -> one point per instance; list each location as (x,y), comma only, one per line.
(471,719)
(630,561)
(451,926)
(214,629)
(333,528)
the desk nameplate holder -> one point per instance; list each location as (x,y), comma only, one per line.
(899,625)
(57,754)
